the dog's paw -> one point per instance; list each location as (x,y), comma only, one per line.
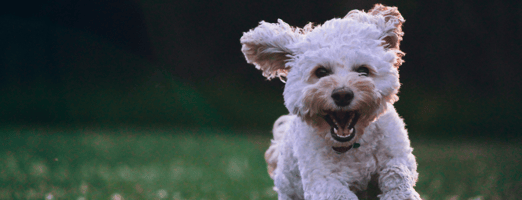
(400,194)
(332,196)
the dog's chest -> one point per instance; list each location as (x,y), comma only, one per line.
(357,166)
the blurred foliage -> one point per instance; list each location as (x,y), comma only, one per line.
(179,63)
(97,83)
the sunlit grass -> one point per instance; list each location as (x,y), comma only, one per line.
(463,170)
(158,163)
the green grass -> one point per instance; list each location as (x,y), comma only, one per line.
(155,163)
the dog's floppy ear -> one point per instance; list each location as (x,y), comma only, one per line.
(267,47)
(392,25)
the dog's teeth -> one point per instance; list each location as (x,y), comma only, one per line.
(351,130)
(335,130)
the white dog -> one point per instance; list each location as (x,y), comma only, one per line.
(343,134)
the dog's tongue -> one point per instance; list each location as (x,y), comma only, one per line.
(343,120)
(341,123)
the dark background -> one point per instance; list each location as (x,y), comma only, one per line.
(178,63)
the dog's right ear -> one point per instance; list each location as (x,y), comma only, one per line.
(267,47)
(393,24)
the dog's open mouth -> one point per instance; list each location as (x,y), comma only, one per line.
(342,124)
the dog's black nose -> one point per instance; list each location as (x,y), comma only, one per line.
(342,96)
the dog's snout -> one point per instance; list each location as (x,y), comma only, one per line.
(342,96)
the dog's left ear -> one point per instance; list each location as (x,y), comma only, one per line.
(267,47)
(392,26)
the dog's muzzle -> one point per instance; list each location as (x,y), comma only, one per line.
(342,125)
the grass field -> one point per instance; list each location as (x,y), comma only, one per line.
(156,163)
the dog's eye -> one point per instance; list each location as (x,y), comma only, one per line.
(321,72)
(363,70)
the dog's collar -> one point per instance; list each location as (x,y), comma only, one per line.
(340,150)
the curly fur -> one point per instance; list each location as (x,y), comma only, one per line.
(302,159)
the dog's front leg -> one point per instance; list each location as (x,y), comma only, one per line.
(287,177)
(326,188)
(321,182)
(321,176)
(396,180)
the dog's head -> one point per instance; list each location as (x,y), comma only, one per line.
(340,76)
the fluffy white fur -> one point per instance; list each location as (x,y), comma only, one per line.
(301,159)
